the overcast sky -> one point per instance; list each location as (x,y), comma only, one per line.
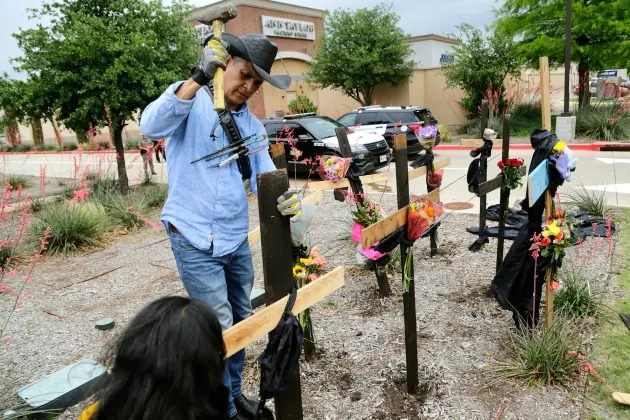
(418,17)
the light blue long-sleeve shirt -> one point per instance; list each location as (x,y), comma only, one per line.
(207,205)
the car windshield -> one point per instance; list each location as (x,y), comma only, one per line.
(321,127)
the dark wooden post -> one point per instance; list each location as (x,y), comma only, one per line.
(278,155)
(275,235)
(346,151)
(505,192)
(430,170)
(483,166)
(409,297)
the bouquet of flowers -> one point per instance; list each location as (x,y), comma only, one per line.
(421,215)
(562,158)
(555,237)
(510,168)
(305,270)
(333,168)
(426,134)
(434,179)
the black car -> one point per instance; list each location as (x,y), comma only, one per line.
(315,136)
(390,121)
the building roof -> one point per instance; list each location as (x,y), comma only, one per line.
(267,4)
(433,37)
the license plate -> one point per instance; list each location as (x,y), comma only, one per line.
(383,158)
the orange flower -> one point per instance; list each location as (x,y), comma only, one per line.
(429,210)
(559,236)
(545,242)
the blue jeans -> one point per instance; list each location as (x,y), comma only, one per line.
(225,283)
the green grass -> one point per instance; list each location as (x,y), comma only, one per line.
(37,205)
(15,181)
(131,144)
(71,226)
(125,210)
(612,347)
(154,195)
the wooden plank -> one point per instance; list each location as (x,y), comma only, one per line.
(379,230)
(256,326)
(505,194)
(345,183)
(277,259)
(418,172)
(253,237)
(545,94)
(278,155)
(476,143)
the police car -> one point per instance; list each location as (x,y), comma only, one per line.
(389,121)
(314,135)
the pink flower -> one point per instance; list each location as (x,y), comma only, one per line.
(312,277)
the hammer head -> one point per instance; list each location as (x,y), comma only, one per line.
(223,13)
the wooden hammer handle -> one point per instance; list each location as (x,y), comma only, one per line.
(219,94)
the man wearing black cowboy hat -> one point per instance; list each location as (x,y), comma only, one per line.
(205,214)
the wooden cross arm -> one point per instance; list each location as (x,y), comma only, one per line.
(345,183)
(415,173)
(379,230)
(253,237)
(256,326)
(496,182)
(477,143)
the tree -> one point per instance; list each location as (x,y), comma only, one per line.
(481,63)
(600,34)
(302,104)
(360,50)
(107,54)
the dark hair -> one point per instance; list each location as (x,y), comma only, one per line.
(169,364)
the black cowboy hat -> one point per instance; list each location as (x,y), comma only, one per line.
(258,50)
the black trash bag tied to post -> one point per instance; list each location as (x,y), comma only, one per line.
(473,176)
(280,356)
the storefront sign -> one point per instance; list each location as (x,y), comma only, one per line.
(607,73)
(288,28)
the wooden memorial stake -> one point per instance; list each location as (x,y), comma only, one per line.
(278,155)
(430,170)
(346,151)
(275,234)
(545,107)
(483,166)
(409,297)
(505,192)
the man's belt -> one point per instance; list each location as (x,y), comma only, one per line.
(234,136)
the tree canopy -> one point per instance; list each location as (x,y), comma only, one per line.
(600,33)
(360,50)
(98,54)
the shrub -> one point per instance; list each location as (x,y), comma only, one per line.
(68,190)
(125,209)
(103,186)
(71,226)
(604,121)
(51,148)
(575,299)
(589,201)
(155,195)
(15,181)
(546,358)
(302,104)
(445,135)
(71,146)
(36,205)
(21,148)
(131,145)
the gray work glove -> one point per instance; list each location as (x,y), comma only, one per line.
(213,57)
(301,223)
(289,204)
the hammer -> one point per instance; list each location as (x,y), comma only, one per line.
(216,17)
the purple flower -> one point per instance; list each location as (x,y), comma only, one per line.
(428,132)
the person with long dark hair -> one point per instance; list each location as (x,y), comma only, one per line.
(168,365)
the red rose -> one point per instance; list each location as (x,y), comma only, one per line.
(545,242)
(500,164)
(510,162)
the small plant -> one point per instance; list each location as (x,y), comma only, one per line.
(67,191)
(575,298)
(71,146)
(131,145)
(15,181)
(22,147)
(71,226)
(302,104)
(155,195)
(604,121)
(445,135)
(591,202)
(36,205)
(544,356)
(125,210)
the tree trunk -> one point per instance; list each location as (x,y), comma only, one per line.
(120,158)
(81,136)
(584,95)
(12,131)
(38,132)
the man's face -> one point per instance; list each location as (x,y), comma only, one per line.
(240,81)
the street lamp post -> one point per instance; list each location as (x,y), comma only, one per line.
(567,58)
